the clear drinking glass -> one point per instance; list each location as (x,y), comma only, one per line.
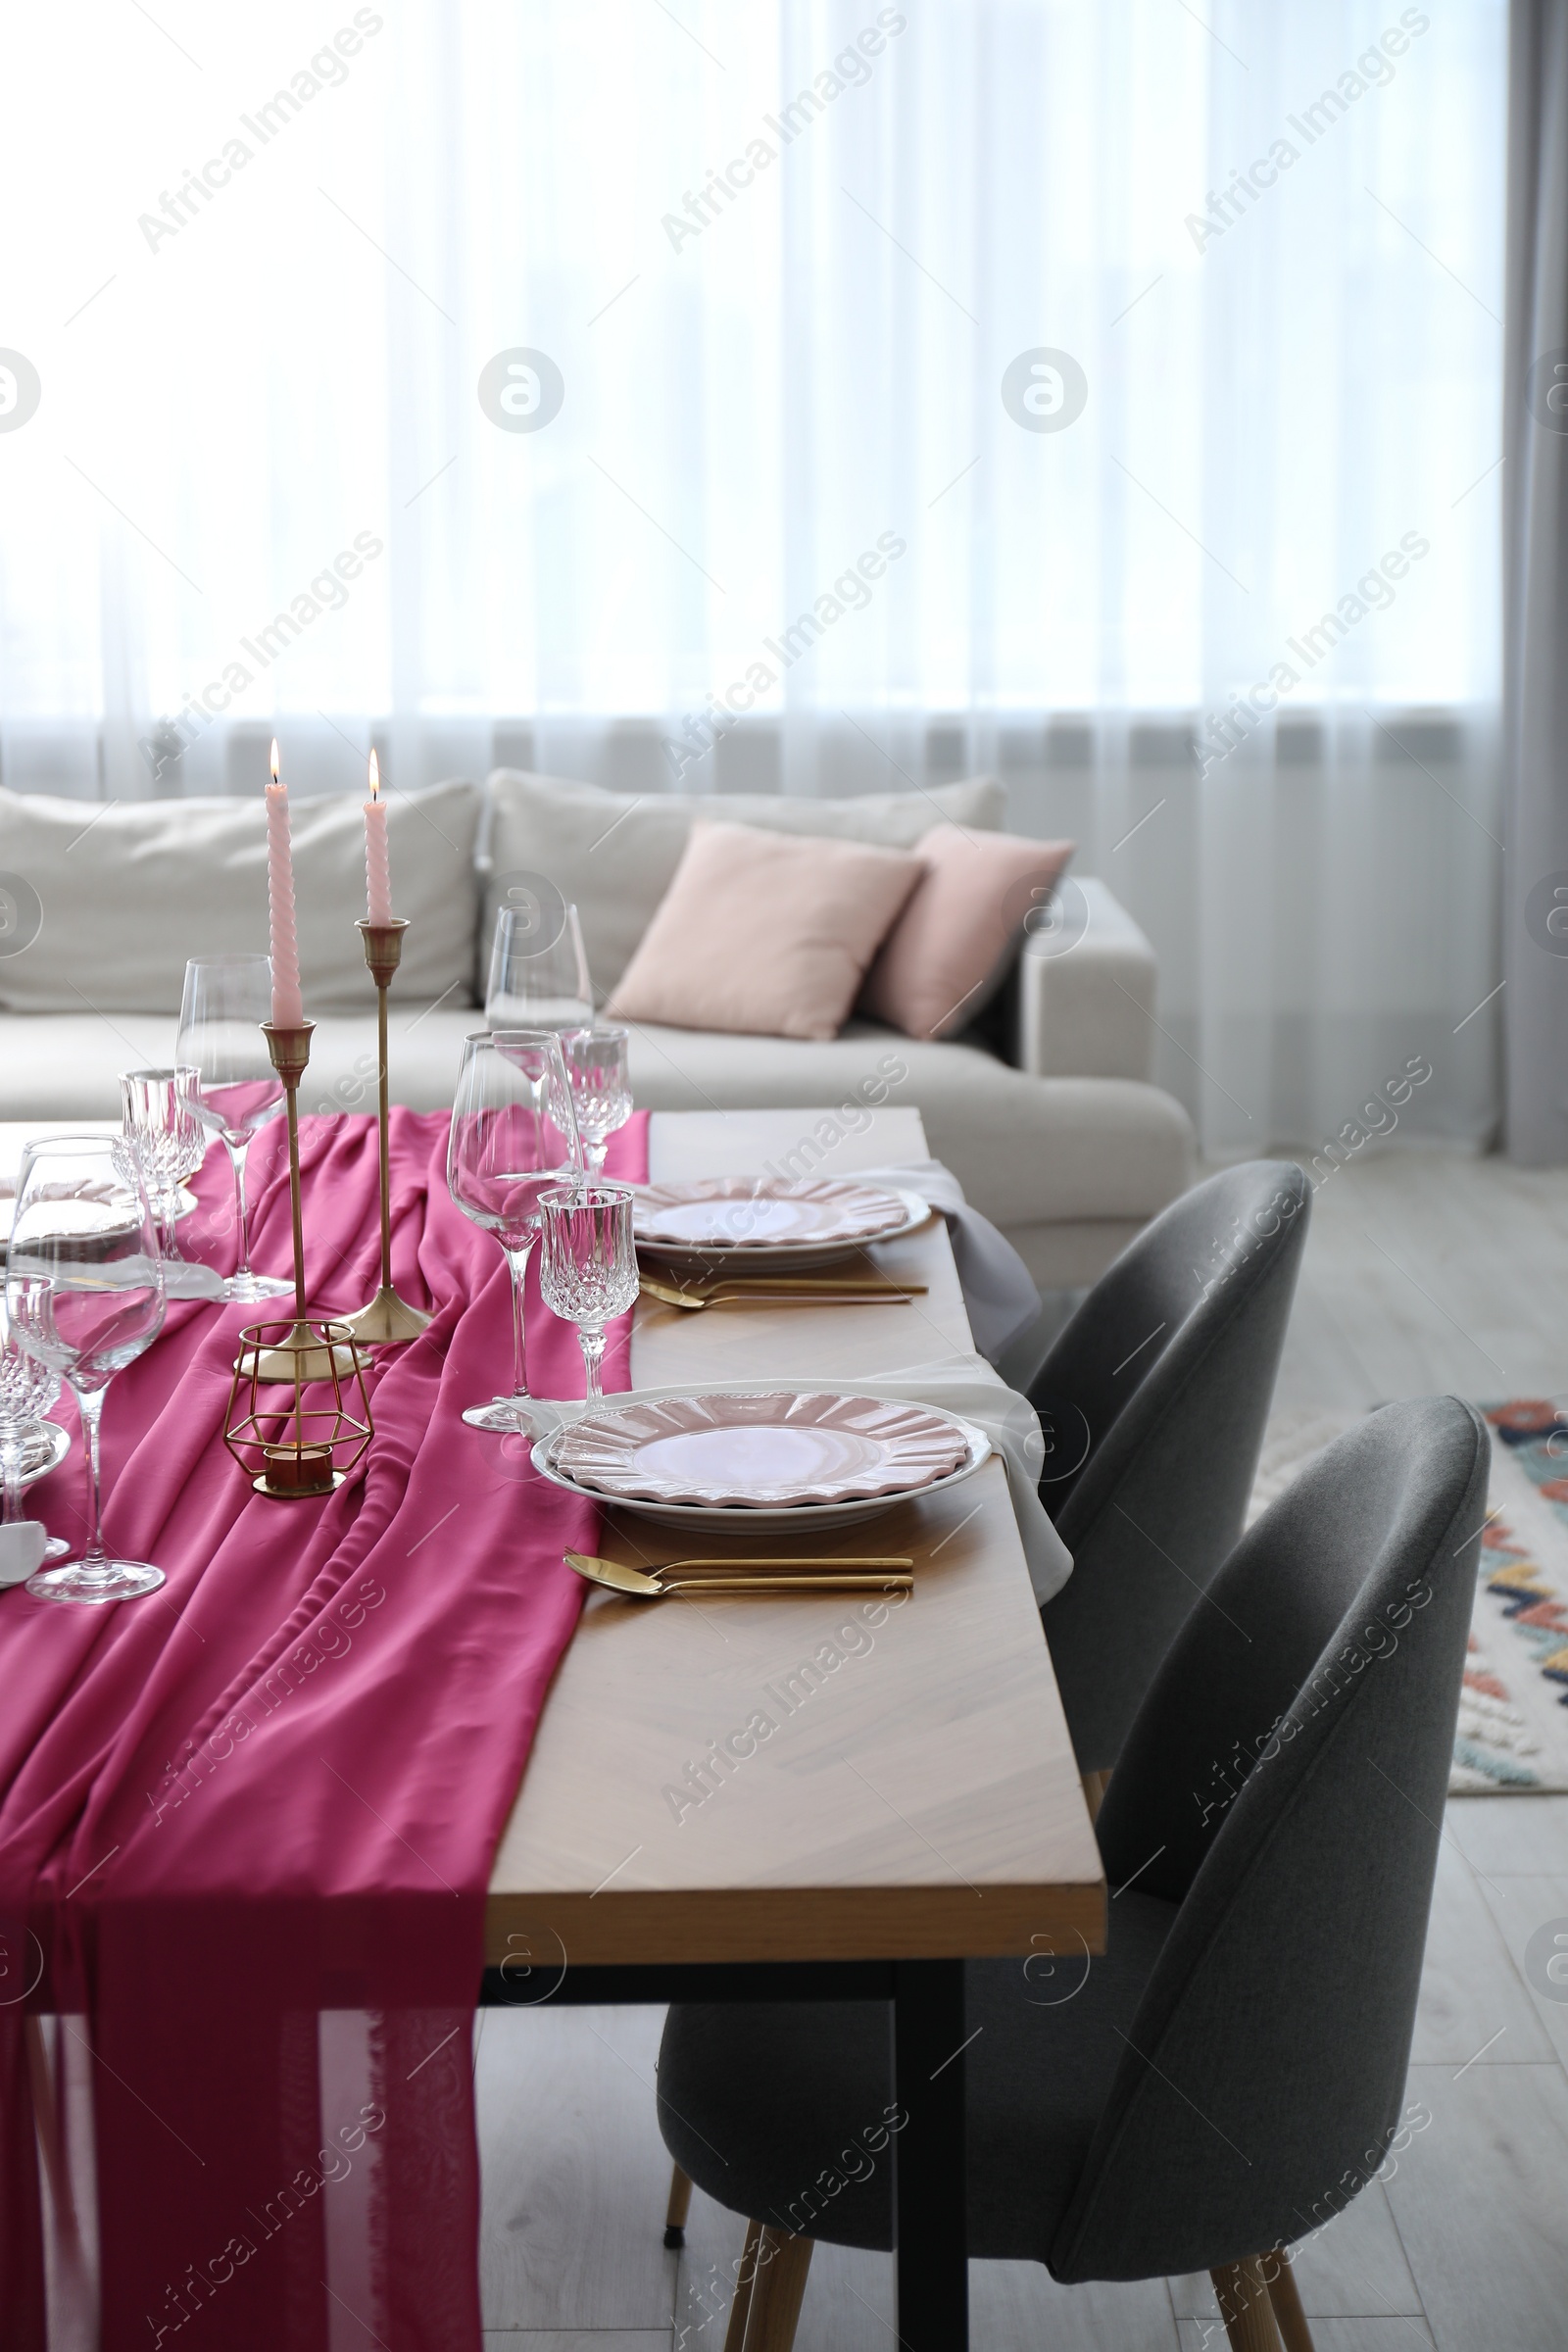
(538,980)
(507,1146)
(160,1122)
(601,1087)
(28,1388)
(85,1294)
(588,1265)
(227,1000)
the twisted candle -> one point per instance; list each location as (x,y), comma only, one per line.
(288,1005)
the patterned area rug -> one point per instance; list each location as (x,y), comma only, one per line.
(1512,1739)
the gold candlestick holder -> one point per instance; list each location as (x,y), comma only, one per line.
(298,1350)
(388,1321)
(306,1449)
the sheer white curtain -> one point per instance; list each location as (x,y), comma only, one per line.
(968,383)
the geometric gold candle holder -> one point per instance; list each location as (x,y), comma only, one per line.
(303,1449)
(295,1450)
(389,1320)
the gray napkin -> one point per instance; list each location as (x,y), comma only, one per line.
(998,1290)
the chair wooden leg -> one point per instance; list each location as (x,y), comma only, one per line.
(1286,2297)
(679,2206)
(745,2282)
(1095,1783)
(1244,2306)
(782,2262)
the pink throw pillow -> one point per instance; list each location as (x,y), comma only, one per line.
(953,945)
(764,933)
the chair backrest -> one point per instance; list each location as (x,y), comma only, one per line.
(1162,1383)
(1284,1784)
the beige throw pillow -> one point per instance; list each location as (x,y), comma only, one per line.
(764,933)
(100,904)
(955,942)
(613,855)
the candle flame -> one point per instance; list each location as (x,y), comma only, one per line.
(375,778)
(274,758)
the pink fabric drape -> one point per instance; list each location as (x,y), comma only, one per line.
(246,1825)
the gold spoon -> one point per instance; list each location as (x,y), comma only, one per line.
(852,1577)
(785,1290)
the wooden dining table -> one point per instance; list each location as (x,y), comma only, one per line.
(918,1803)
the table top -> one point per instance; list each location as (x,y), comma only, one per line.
(915,1795)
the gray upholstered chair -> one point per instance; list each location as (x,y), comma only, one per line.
(1231,2073)
(1152,1401)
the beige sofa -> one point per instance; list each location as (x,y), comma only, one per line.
(1067,1146)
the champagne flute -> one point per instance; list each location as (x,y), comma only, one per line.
(507,1147)
(601,1087)
(227,1000)
(160,1122)
(27,1442)
(537,981)
(588,1265)
(84,1295)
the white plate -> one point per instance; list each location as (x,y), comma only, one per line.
(803,1519)
(751,1448)
(187,1205)
(800,1256)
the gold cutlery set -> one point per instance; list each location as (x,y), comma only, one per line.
(787,1573)
(782,1290)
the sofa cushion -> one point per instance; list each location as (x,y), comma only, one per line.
(1028,1151)
(957,938)
(613,855)
(113,899)
(764,933)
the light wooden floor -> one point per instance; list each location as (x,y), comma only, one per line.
(1423,1272)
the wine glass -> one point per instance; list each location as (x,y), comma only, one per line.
(27,1442)
(227,1000)
(160,1123)
(601,1087)
(537,981)
(85,1294)
(507,1147)
(588,1265)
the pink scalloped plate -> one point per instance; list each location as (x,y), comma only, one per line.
(714,1213)
(761,1453)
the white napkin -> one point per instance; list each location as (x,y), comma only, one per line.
(954,1384)
(998,1290)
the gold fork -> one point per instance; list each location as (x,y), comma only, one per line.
(723,1576)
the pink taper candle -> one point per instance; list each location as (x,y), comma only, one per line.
(377,865)
(289,1006)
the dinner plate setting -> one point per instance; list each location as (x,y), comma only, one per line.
(767,1221)
(815,1458)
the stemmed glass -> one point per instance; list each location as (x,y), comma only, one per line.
(511,1141)
(85,1294)
(27,1442)
(227,1000)
(588,1267)
(160,1123)
(601,1087)
(537,983)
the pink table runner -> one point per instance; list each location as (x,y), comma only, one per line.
(247,1824)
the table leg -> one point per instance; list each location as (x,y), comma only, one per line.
(929,2221)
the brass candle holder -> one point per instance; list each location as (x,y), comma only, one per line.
(296,1452)
(305,1449)
(389,1320)
(298,1352)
